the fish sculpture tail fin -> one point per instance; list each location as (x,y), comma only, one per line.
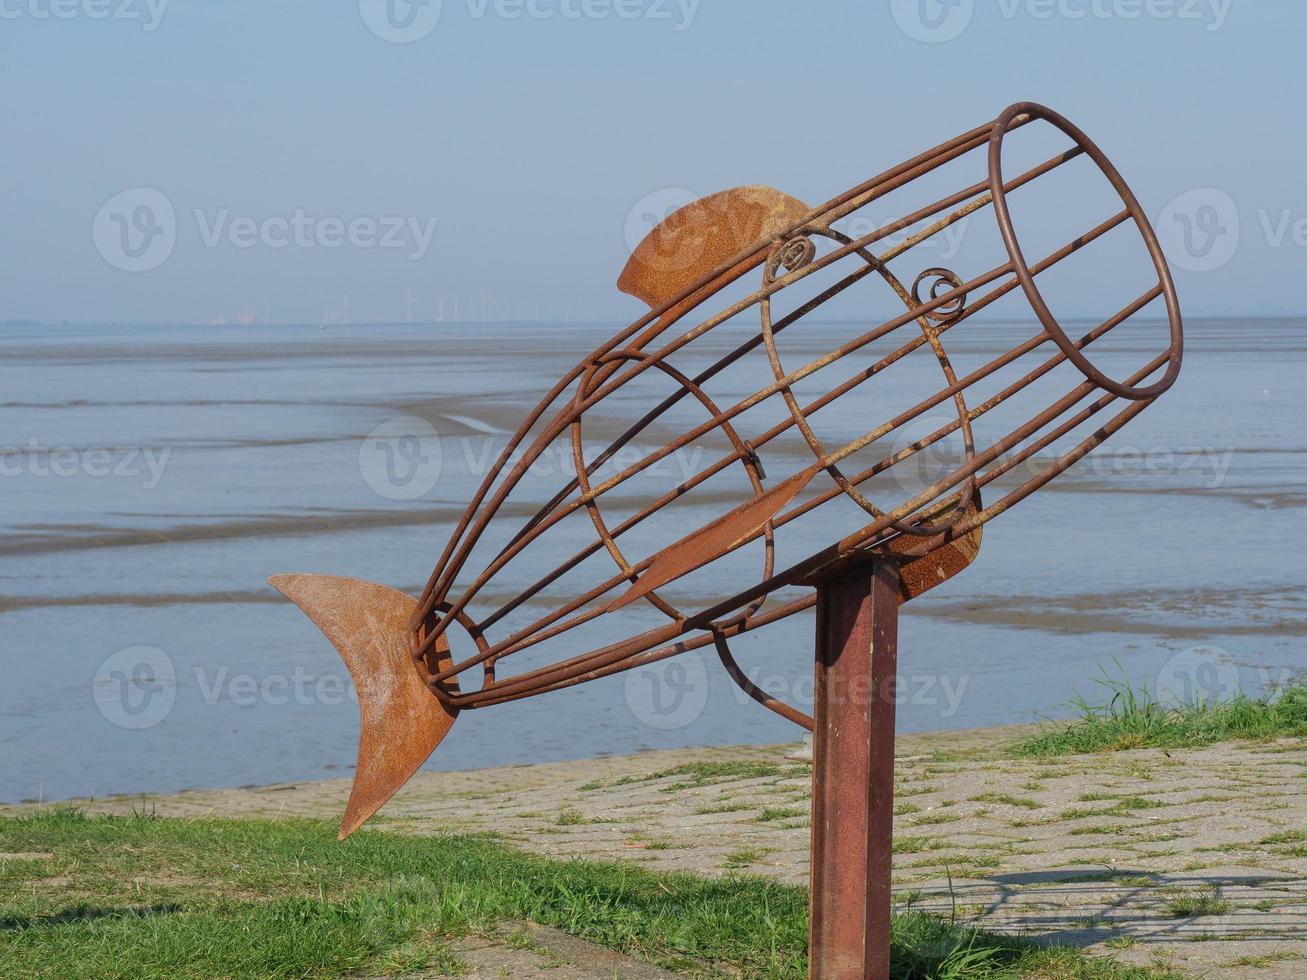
(401,720)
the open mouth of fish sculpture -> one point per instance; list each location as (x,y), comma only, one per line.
(875,442)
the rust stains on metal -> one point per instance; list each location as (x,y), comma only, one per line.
(400,722)
(772,473)
(853,773)
(681,251)
(720,536)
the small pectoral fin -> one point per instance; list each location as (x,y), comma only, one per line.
(728,532)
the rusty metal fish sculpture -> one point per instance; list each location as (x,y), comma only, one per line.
(792,488)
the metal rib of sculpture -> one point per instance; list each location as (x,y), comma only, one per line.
(517,578)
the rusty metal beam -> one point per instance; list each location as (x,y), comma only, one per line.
(853,773)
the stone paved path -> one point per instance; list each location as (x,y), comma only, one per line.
(1192,858)
(529,951)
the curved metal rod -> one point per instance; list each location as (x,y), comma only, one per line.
(468,531)
(515,642)
(1030,110)
(769,702)
(600,381)
(643,650)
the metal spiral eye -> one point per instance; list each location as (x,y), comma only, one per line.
(944,281)
(797,252)
(791,255)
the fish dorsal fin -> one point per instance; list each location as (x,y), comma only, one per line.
(692,241)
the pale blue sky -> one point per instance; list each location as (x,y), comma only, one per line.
(530,138)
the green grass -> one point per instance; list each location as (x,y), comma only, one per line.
(727,807)
(1285,837)
(699,773)
(928,819)
(1123,807)
(150,898)
(770,813)
(915,845)
(1008,800)
(743,857)
(1260,962)
(1193,904)
(1132,719)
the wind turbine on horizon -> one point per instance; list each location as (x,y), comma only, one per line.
(329,317)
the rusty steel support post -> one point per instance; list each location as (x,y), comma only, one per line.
(853,773)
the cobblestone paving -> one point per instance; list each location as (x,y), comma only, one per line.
(1193,858)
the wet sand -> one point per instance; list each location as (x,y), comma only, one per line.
(1122,560)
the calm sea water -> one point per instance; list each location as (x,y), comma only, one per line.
(154,477)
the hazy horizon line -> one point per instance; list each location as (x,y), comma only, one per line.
(1076,318)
